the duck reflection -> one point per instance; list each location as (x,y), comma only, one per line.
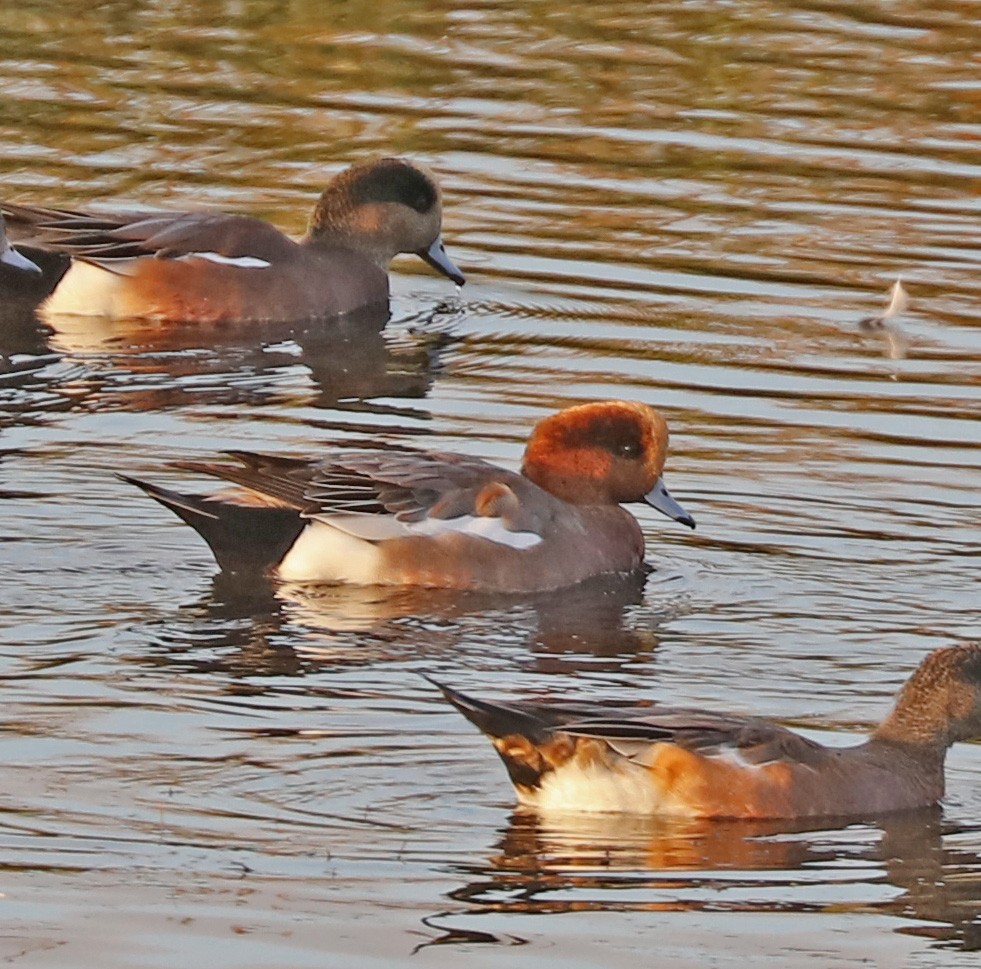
(268,628)
(603,624)
(572,626)
(29,368)
(142,366)
(584,862)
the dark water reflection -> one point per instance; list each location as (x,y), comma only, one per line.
(693,205)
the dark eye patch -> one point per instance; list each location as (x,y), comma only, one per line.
(391,180)
(619,434)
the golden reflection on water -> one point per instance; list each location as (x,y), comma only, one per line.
(597,863)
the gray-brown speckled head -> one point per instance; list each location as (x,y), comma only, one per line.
(381,208)
(940,703)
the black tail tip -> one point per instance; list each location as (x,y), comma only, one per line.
(136,482)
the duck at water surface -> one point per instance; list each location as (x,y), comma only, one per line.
(211,267)
(400,517)
(645,758)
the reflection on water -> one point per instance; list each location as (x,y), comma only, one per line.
(147,367)
(691,204)
(905,864)
(262,628)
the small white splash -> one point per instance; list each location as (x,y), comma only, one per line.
(898,300)
(896,343)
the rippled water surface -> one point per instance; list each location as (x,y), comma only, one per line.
(692,205)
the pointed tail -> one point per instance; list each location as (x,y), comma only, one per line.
(243,538)
(528,738)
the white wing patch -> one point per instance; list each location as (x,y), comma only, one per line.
(729,754)
(371,528)
(378,528)
(344,548)
(481,526)
(243,262)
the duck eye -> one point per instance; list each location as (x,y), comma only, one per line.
(631,449)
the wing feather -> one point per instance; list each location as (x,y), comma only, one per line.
(103,237)
(756,741)
(371,494)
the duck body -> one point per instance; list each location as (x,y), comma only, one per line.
(213,287)
(652,759)
(208,267)
(442,520)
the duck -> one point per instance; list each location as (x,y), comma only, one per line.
(11,258)
(443,520)
(213,267)
(645,758)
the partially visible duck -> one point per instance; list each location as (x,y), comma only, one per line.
(210,267)
(644,758)
(9,256)
(434,519)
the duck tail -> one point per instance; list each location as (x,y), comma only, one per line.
(494,719)
(243,538)
(521,737)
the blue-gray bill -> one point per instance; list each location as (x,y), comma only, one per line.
(436,256)
(660,498)
(9,256)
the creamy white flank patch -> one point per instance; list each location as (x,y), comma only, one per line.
(345,550)
(625,788)
(85,290)
(484,527)
(326,554)
(244,262)
(89,290)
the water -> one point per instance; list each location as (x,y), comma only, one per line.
(692,205)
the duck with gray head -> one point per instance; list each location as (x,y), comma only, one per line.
(651,759)
(212,267)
